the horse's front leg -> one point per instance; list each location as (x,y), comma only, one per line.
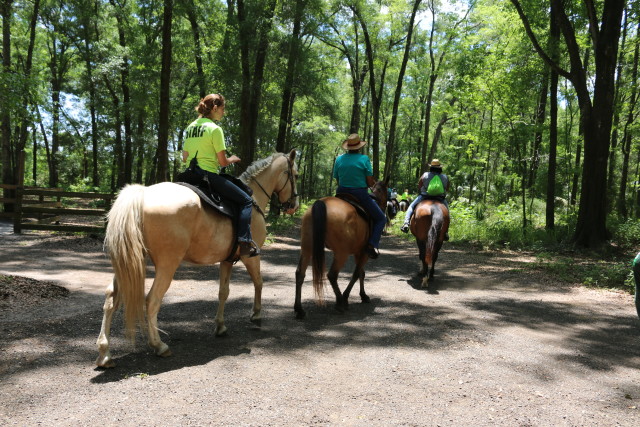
(223,294)
(253,268)
(111,304)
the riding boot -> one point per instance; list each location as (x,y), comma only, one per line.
(372,251)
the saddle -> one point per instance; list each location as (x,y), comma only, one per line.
(195,178)
(353,201)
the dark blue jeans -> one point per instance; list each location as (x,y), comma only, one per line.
(372,208)
(232,192)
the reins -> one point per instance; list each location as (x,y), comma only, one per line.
(283,205)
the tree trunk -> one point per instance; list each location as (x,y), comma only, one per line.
(251,92)
(197,49)
(25,113)
(376,94)
(286,105)
(611,177)
(627,135)
(5,120)
(554,38)
(596,116)
(126,98)
(541,114)
(162,154)
(388,166)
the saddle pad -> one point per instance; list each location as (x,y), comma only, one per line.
(223,206)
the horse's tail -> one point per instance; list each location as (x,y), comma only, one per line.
(319,219)
(437,220)
(125,244)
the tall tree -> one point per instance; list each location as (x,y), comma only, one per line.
(596,114)
(253,32)
(627,133)
(162,153)
(122,11)
(287,93)
(5,115)
(396,98)
(554,39)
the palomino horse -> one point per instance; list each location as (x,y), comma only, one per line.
(168,223)
(429,224)
(335,223)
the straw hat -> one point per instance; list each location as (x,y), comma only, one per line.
(435,163)
(353,142)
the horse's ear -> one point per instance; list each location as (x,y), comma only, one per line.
(292,155)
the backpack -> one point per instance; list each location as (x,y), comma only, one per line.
(435,188)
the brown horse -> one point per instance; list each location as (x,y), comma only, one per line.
(168,223)
(336,224)
(429,224)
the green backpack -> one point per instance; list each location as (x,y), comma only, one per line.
(435,187)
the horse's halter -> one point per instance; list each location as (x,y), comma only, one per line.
(290,202)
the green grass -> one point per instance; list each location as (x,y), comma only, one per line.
(500,228)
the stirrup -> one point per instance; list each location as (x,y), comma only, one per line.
(249,249)
(405,228)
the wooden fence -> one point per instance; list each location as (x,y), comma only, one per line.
(54,209)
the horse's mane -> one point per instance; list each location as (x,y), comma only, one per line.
(258,166)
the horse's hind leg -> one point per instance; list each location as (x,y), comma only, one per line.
(161,283)
(303,263)
(358,274)
(111,304)
(338,262)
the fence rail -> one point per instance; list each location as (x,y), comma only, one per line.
(37,208)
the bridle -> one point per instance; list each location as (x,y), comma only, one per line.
(379,199)
(290,202)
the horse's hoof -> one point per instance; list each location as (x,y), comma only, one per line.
(300,314)
(105,362)
(221,331)
(166,353)
(256,320)
(365,299)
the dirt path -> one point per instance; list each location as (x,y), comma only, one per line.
(495,346)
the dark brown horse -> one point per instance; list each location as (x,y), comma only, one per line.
(335,223)
(429,224)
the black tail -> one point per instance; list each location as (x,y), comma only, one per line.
(319,219)
(437,220)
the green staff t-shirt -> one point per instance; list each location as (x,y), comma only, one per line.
(205,138)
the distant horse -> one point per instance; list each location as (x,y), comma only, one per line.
(404,205)
(335,223)
(169,223)
(429,224)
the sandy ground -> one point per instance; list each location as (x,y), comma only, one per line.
(497,345)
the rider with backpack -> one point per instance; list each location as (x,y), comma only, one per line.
(432,185)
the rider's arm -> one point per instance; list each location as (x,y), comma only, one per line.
(370,181)
(224,160)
